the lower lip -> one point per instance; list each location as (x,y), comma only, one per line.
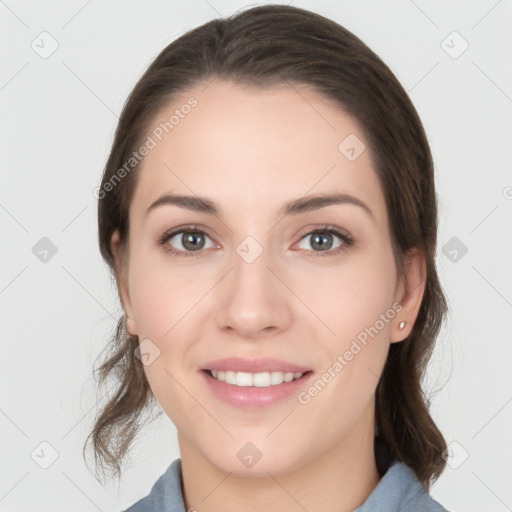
(252,397)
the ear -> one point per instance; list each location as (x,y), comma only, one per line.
(121,268)
(409,294)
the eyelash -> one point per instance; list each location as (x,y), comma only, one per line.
(325,229)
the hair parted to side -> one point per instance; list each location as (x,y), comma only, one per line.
(267,46)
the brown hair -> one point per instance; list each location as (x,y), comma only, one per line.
(272,45)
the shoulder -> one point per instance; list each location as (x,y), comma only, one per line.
(400,491)
(166,494)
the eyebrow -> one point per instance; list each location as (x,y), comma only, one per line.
(295,207)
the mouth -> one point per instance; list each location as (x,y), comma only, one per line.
(253,384)
(263,379)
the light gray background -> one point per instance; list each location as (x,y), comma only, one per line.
(57,123)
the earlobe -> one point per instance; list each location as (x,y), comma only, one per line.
(410,294)
(120,265)
(131,326)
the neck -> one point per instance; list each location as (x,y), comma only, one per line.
(337,481)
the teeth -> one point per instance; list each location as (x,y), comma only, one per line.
(260,380)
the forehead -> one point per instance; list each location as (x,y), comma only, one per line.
(248,147)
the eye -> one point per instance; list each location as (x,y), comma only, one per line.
(192,240)
(189,241)
(322,240)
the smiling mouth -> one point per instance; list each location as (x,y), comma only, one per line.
(260,379)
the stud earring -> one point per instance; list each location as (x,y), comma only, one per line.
(402,325)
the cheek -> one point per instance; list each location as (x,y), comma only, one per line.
(166,301)
(162,294)
(352,296)
(346,297)
(356,303)
(163,301)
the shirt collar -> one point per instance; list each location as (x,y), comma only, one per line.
(397,490)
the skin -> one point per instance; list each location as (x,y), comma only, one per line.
(251,150)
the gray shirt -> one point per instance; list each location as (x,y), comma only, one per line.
(398,491)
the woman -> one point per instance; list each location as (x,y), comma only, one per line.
(269,213)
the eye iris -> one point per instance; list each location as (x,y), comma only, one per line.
(319,241)
(190,241)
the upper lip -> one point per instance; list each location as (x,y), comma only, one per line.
(238,364)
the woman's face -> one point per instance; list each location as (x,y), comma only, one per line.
(264,283)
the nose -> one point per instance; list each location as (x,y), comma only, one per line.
(252,301)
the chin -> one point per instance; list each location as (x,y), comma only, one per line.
(251,459)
